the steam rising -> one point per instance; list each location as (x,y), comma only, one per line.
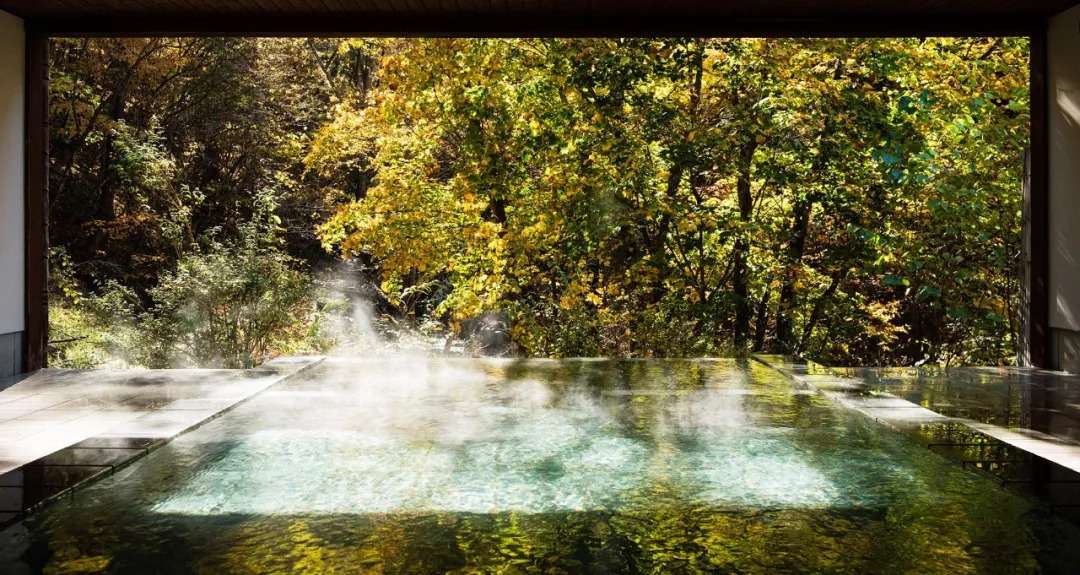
(354,325)
(409,431)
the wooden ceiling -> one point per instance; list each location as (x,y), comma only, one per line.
(535,17)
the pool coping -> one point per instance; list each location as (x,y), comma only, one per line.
(900,413)
(1054,462)
(277,367)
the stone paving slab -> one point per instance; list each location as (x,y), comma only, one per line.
(62,428)
(1062,452)
(1008,397)
(1049,462)
(894,411)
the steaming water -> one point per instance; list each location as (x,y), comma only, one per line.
(419,465)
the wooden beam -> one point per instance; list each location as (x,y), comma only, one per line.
(542,24)
(36,137)
(1038,320)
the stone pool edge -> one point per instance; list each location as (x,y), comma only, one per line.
(1052,466)
(886,408)
(277,366)
(903,415)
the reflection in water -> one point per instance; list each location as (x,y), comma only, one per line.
(433,466)
(1010,397)
(1039,410)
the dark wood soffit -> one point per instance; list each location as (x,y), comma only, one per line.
(548,25)
(733,8)
(535,17)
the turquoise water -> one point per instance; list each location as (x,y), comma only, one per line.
(420,465)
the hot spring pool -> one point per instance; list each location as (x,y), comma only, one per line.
(420,465)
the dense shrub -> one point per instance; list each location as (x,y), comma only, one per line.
(232,304)
(88,328)
(228,304)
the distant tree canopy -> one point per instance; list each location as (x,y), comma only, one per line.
(853,200)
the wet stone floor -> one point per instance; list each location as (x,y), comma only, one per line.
(62,428)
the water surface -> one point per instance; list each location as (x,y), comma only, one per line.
(419,465)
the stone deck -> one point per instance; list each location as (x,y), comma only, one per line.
(59,428)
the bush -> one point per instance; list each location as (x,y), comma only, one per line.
(229,307)
(232,304)
(227,304)
(91,329)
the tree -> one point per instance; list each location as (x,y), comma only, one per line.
(855,200)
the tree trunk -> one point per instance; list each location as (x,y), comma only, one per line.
(658,247)
(762,323)
(819,308)
(742,247)
(106,208)
(785,329)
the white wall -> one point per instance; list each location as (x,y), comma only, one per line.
(12,93)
